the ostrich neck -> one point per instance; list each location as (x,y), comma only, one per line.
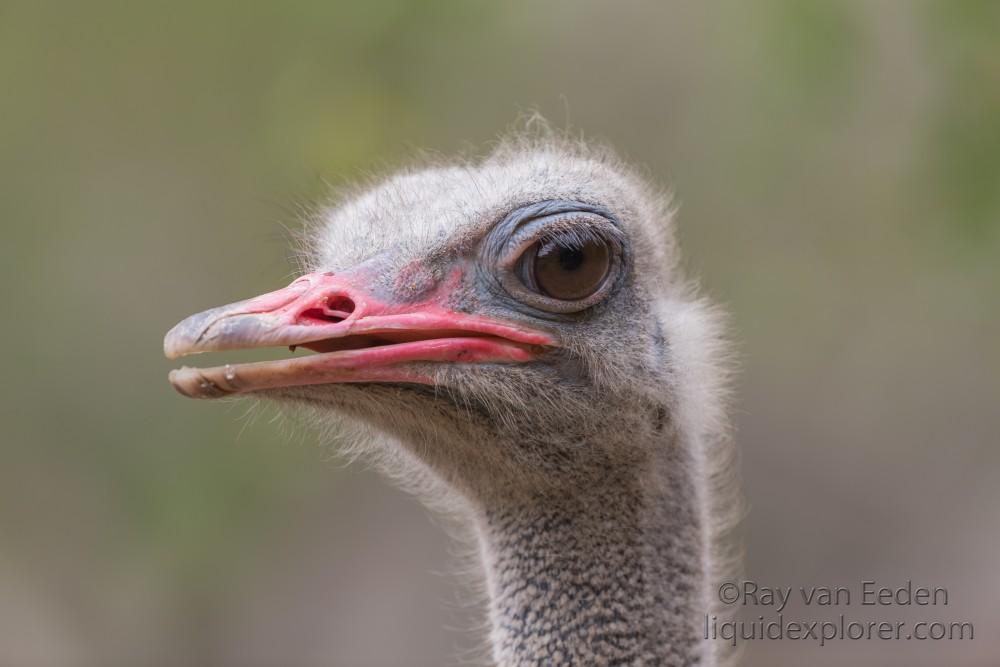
(609,575)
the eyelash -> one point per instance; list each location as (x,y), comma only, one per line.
(578,236)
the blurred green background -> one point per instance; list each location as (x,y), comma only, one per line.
(838,170)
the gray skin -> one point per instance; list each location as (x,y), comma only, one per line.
(596,480)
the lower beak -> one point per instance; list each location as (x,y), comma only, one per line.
(357,338)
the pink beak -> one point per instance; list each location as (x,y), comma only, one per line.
(358,338)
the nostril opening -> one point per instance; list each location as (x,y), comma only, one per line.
(340,305)
(335,309)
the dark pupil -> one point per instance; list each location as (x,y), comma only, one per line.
(570,259)
(570,272)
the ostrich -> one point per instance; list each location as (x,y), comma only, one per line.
(514,340)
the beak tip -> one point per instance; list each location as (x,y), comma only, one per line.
(187,336)
(193,383)
(180,379)
(175,343)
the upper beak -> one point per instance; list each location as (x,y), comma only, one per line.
(360,338)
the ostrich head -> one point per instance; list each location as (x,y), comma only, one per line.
(500,319)
(518,328)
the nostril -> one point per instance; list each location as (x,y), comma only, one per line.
(335,309)
(340,305)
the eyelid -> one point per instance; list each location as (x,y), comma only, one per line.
(596,227)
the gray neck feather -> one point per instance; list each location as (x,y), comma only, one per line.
(609,574)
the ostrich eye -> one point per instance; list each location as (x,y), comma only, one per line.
(561,257)
(567,269)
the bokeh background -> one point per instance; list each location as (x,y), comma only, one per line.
(838,170)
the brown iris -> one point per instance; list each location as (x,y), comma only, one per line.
(570,272)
